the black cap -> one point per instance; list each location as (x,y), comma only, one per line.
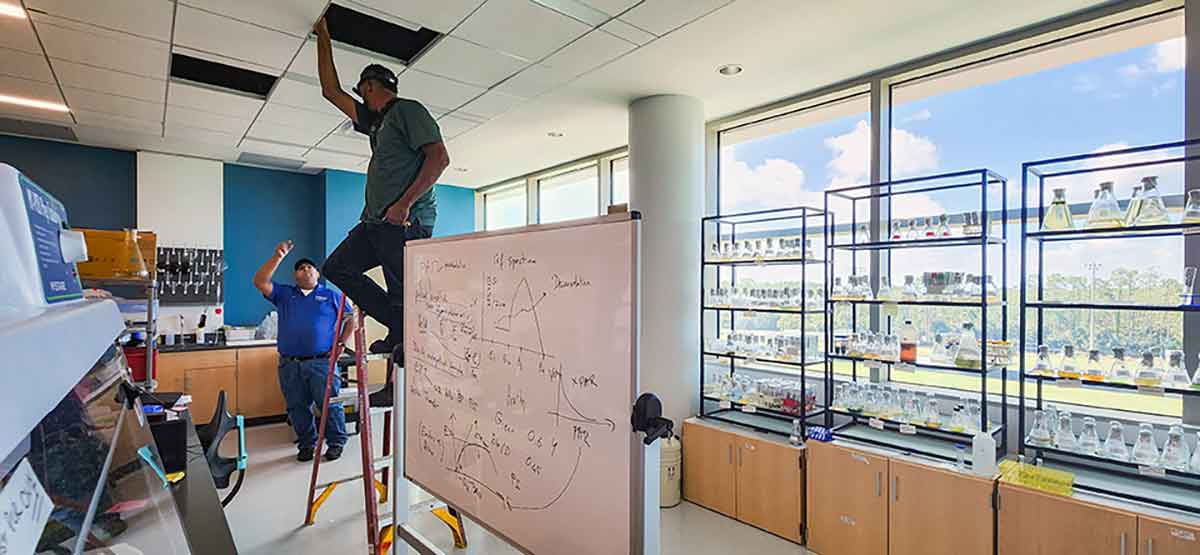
(302,262)
(378,73)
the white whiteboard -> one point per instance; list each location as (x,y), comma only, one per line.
(520,380)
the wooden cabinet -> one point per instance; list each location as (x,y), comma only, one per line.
(205,385)
(770,487)
(848,494)
(1162,537)
(938,512)
(258,392)
(1035,523)
(709,472)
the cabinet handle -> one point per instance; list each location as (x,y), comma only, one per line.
(895,489)
(730,453)
(1149,546)
(878,484)
(1123,538)
(740,457)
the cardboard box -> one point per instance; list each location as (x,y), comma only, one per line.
(105,246)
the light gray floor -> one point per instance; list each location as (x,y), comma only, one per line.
(267,514)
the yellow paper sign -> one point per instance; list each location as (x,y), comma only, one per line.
(1040,478)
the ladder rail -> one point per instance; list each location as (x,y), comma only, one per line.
(309,516)
(366,439)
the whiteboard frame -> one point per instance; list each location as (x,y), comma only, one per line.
(644,526)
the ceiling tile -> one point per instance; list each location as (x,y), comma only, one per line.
(25,65)
(492,104)
(181,132)
(348,60)
(71,74)
(96,119)
(611,7)
(286,134)
(115,105)
(295,17)
(36,90)
(210,32)
(536,80)
(269,148)
(520,27)
(214,101)
(440,16)
(432,90)
(663,16)
(98,47)
(331,159)
(628,32)
(342,143)
(593,50)
(116,138)
(300,94)
(17,34)
(468,62)
(147,18)
(178,115)
(282,114)
(33,114)
(453,126)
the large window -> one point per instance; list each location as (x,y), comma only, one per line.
(505,207)
(570,195)
(620,180)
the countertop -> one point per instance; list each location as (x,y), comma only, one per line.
(188,347)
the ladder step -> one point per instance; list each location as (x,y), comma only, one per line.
(381,463)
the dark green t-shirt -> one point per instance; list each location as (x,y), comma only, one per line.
(397,135)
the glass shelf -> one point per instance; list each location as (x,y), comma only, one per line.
(923,365)
(765,310)
(1191,392)
(965,304)
(752,360)
(1106,460)
(1057,305)
(1116,233)
(740,407)
(894,425)
(765,262)
(974,241)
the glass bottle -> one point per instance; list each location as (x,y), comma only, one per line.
(908,342)
(1176,374)
(1145,450)
(769,250)
(1135,204)
(1068,367)
(1194,466)
(1039,435)
(129,262)
(1120,373)
(839,291)
(1042,366)
(910,292)
(1176,453)
(1094,371)
(974,415)
(920,228)
(1147,374)
(1064,435)
(943,229)
(797,437)
(1152,210)
(958,422)
(863,235)
(1089,440)
(930,229)
(1114,444)
(886,293)
(968,355)
(1058,216)
(912,230)
(898,230)
(1191,212)
(1105,212)
(932,414)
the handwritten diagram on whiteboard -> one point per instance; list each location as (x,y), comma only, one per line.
(519,383)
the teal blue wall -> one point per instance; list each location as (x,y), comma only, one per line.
(344,193)
(97,185)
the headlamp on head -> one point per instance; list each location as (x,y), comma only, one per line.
(377,73)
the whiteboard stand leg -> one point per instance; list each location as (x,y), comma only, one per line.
(403,532)
(651,514)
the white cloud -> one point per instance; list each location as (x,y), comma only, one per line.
(775,183)
(1169,55)
(1131,71)
(922,115)
(912,155)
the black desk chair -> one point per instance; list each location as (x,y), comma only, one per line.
(211,435)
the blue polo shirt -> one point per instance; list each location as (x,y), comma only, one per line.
(306,322)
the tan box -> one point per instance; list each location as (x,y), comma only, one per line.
(104,248)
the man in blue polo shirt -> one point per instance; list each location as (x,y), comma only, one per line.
(307,319)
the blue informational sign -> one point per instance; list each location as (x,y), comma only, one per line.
(820,433)
(47,217)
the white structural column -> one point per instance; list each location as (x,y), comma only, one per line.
(666,161)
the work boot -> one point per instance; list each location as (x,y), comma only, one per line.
(333,453)
(306,454)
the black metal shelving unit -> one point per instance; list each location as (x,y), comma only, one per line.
(972,187)
(802,223)
(1126,479)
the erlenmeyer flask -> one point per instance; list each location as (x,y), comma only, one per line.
(1145,451)
(958,422)
(1114,445)
(839,291)
(1058,216)
(1095,371)
(1042,366)
(930,228)
(1039,435)
(1089,440)
(1120,373)
(943,229)
(993,292)
(886,293)
(933,414)
(863,235)
(968,355)
(911,233)
(1152,210)
(1135,204)
(1147,374)
(1191,211)
(129,263)
(1176,374)
(1105,212)
(1064,436)
(974,415)
(1070,367)
(910,292)
(1176,453)
(912,410)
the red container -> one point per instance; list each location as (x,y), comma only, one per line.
(136,356)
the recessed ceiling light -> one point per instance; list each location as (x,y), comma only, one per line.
(555,134)
(31,103)
(12,11)
(729,70)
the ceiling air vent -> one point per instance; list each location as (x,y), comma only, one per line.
(270,161)
(221,75)
(376,35)
(35,129)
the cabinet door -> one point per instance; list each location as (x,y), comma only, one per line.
(708,468)
(1035,523)
(1162,537)
(938,512)
(769,486)
(170,371)
(258,392)
(847,491)
(204,385)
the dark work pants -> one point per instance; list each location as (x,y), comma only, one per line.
(367,246)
